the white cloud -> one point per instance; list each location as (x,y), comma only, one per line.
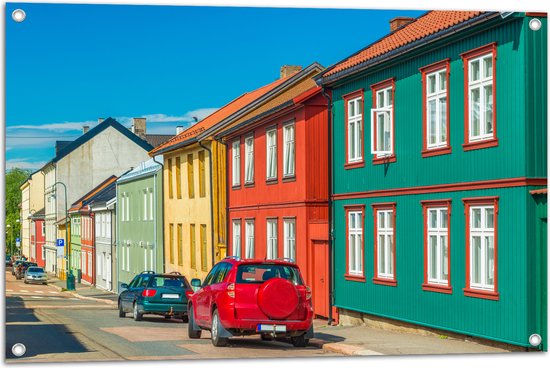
(22,164)
(56,127)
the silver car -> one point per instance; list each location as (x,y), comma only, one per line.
(36,275)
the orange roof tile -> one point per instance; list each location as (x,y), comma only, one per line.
(217,116)
(539,191)
(425,25)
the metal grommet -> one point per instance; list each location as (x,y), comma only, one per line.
(18,15)
(18,349)
(535,24)
(535,340)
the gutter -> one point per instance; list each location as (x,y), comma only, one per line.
(211,201)
(161,212)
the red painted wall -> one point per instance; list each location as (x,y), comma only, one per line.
(87,245)
(38,242)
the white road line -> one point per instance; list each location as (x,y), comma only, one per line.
(9,290)
(24,291)
(37,297)
(53,292)
(39,291)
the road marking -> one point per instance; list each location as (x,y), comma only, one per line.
(9,290)
(39,291)
(37,297)
(53,292)
(24,291)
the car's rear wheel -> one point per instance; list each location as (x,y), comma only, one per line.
(299,341)
(185,319)
(137,315)
(193,331)
(121,312)
(215,331)
(167,316)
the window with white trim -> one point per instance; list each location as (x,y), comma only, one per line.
(436,108)
(249,160)
(355,129)
(482,249)
(89,264)
(145,210)
(355,243)
(381,123)
(236,172)
(151,209)
(438,245)
(271,239)
(290,238)
(249,245)
(237,238)
(271,154)
(289,154)
(128,256)
(480,95)
(384,244)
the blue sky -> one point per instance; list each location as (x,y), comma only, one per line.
(68,65)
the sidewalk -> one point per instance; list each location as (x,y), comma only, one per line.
(84,291)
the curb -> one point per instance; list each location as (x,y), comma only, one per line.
(75,294)
(344,349)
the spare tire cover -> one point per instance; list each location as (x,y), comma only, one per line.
(277,298)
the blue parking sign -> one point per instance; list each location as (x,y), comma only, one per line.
(60,242)
(17,239)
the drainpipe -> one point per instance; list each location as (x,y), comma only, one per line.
(330,207)
(226,197)
(161,212)
(211,202)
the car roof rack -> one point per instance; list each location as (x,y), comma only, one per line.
(147,272)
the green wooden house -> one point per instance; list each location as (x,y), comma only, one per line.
(139,221)
(438,170)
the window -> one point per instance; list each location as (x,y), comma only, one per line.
(384,244)
(150,204)
(236,168)
(382,123)
(271,154)
(170,188)
(43,228)
(128,256)
(289,155)
(171,243)
(237,238)
(481,243)
(180,245)
(145,214)
(108,225)
(271,239)
(122,208)
(354,128)
(436,245)
(435,81)
(127,206)
(193,246)
(204,265)
(249,160)
(202,179)
(480,112)
(249,246)
(290,238)
(190,176)
(355,218)
(178,177)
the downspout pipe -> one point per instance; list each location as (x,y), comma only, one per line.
(226,195)
(330,207)
(161,212)
(211,201)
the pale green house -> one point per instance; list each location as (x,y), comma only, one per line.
(139,221)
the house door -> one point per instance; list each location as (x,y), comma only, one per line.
(320,277)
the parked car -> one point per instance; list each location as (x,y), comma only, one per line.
(15,263)
(8,260)
(154,293)
(246,297)
(35,274)
(22,268)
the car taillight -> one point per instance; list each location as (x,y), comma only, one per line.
(231,290)
(188,293)
(308,293)
(148,292)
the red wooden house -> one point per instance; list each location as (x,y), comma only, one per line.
(38,238)
(278,194)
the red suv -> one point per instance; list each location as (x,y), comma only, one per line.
(247,297)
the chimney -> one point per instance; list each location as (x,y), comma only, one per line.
(179,129)
(85,129)
(399,22)
(287,70)
(139,128)
(100,120)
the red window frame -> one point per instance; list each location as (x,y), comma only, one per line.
(426,205)
(348,209)
(466,57)
(381,280)
(347,97)
(429,152)
(374,88)
(481,201)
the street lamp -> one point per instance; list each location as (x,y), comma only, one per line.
(70,285)
(11,246)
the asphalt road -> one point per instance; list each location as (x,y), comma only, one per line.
(55,326)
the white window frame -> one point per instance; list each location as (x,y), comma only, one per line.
(289,145)
(271,153)
(437,95)
(108,221)
(484,232)
(237,238)
(151,206)
(249,160)
(145,212)
(355,242)
(128,256)
(386,110)
(89,273)
(272,243)
(388,233)
(354,127)
(480,84)
(236,169)
(440,232)
(289,230)
(249,245)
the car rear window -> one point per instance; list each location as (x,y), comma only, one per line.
(169,281)
(36,269)
(259,273)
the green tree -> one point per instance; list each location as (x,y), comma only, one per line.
(14,178)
